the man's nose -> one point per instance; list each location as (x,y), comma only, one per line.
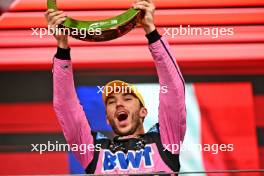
(119,103)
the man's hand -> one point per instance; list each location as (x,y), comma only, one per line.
(54,18)
(148,20)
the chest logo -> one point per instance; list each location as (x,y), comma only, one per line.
(131,160)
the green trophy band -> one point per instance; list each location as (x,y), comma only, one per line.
(107,29)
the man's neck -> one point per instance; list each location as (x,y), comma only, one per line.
(136,134)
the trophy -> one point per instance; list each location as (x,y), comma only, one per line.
(102,30)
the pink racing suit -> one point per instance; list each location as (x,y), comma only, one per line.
(151,152)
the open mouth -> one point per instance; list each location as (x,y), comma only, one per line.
(122,116)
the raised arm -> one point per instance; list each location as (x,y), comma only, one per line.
(172,112)
(66,104)
(69,112)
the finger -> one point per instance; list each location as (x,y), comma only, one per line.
(56,18)
(49,11)
(140,7)
(55,13)
(59,21)
(46,13)
(150,1)
(140,4)
(143,3)
(52,15)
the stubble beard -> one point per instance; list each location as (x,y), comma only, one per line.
(132,130)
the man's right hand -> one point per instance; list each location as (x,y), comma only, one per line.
(54,18)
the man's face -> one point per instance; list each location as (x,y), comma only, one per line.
(124,113)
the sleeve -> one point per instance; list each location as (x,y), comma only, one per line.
(172,110)
(67,107)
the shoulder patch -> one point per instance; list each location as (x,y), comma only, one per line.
(154,129)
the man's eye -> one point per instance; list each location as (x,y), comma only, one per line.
(110,102)
(128,99)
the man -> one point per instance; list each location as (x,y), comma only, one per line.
(132,150)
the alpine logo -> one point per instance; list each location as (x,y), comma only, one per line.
(131,160)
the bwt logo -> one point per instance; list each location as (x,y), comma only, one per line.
(130,160)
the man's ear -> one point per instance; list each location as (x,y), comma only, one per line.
(143,112)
